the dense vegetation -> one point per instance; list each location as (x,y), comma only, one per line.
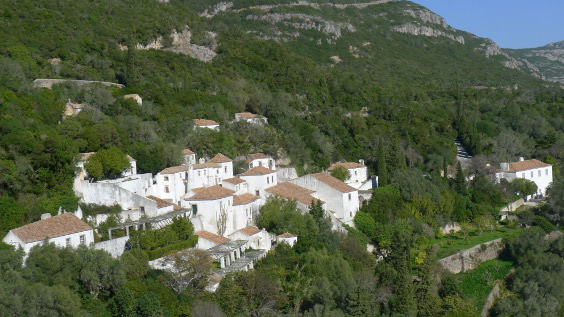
(399,105)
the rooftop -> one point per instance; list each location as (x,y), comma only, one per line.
(333,182)
(286,235)
(187,151)
(526,165)
(246,115)
(210,193)
(347,165)
(293,191)
(205,165)
(163,203)
(204,122)
(86,156)
(220,158)
(234,180)
(244,199)
(258,170)
(256,156)
(212,237)
(174,169)
(249,230)
(53,227)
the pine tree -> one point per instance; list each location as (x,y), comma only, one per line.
(382,165)
(132,76)
(460,181)
(445,168)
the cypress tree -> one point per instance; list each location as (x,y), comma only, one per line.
(445,168)
(132,67)
(460,181)
(382,165)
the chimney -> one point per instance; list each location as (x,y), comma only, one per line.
(45,216)
(202,160)
(521,159)
(361,162)
(504,167)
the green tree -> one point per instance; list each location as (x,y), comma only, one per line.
(110,163)
(341,173)
(524,187)
(382,166)
(460,180)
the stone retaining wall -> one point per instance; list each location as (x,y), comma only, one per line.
(469,259)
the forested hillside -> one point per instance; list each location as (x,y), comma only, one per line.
(389,82)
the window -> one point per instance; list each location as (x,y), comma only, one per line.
(540,173)
(166,189)
(166,178)
(68,242)
(268,180)
(194,209)
(546,171)
(256,193)
(142,209)
(82,239)
(198,173)
(225,169)
(350,196)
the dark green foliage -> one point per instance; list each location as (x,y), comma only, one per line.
(110,163)
(382,169)
(524,187)
(340,173)
(179,232)
(460,180)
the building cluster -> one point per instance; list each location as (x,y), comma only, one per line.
(533,170)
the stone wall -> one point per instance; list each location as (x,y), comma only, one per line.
(112,194)
(48,83)
(514,205)
(286,173)
(469,259)
(114,247)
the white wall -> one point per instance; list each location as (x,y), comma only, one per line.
(357,177)
(61,241)
(264,162)
(260,183)
(209,210)
(114,247)
(176,183)
(542,181)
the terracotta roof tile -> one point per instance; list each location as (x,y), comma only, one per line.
(333,182)
(53,227)
(256,156)
(187,151)
(220,158)
(210,193)
(286,235)
(293,191)
(86,156)
(258,170)
(244,199)
(246,115)
(174,169)
(205,165)
(204,122)
(163,203)
(347,165)
(249,230)
(234,180)
(217,239)
(526,165)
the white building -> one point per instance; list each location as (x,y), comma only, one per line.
(341,200)
(212,209)
(358,173)
(171,184)
(251,118)
(226,165)
(207,240)
(256,239)
(204,123)
(303,196)
(260,159)
(188,156)
(236,184)
(534,170)
(287,238)
(259,178)
(64,230)
(245,208)
(204,175)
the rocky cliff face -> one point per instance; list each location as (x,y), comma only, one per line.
(548,59)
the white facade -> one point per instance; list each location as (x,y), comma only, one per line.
(205,124)
(256,239)
(287,238)
(64,230)
(236,184)
(225,164)
(204,175)
(251,118)
(358,173)
(258,179)
(210,205)
(171,184)
(188,156)
(245,209)
(534,170)
(259,159)
(341,200)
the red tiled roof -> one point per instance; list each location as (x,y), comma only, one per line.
(234,180)
(244,199)
(293,191)
(347,165)
(249,230)
(210,193)
(163,203)
(174,169)
(258,170)
(526,165)
(220,158)
(187,151)
(333,182)
(256,156)
(205,165)
(246,115)
(217,239)
(287,235)
(86,156)
(204,122)
(53,227)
